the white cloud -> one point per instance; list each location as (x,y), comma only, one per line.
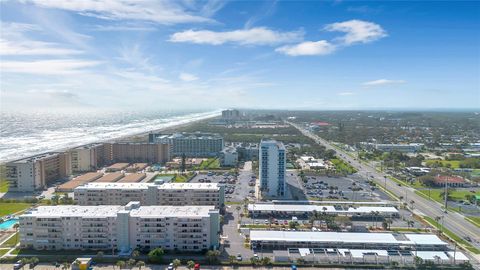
(187,77)
(47,67)
(253,36)
(383,82)
(321,47)
(13,41)
(346,94)
(30,47)
(163,12)
(357,31)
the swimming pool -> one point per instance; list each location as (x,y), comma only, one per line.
(8,224)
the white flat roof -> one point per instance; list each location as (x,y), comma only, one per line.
(319,208)
(171,211)
(126,185)
(425,239)
(359,253)
(337,237)
(431,255)
(458,255)
(112,210)
(75,211)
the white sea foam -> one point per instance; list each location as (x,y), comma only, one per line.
(23,135)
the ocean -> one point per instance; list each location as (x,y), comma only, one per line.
(24,134)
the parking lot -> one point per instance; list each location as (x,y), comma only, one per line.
(351,188)
(237,188)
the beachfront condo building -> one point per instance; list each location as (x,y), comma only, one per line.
(137,152)
(158,193)
(122,228)
(37,172)
(272,168)
(87,158)
(191,144)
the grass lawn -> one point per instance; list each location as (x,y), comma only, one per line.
(181,178)
(453,236)
(11,242)
(3,251)
(10,208)
(474,220)
(3,186)
(454,164)
(435,194)
(211,163)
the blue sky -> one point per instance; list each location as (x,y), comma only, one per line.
(248,54)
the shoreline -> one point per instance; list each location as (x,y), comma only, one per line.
(117,139)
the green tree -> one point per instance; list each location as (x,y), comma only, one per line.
(266,261)
(131,262)
(176,263)
(232,259)
(135,254)
(156,255)
(120,264)
(190,264)
(212,256)
(100,255)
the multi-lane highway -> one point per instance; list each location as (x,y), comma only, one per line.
(453,221)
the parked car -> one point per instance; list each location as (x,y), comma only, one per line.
(239,257)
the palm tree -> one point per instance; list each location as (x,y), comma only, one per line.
(130,263)
(33,262)
(140,264)
(120,264)
(16,226)
(191,264)
(65,265)
(135,254)
(176,263)
(100,255)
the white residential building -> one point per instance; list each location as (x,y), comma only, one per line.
(124,228)
(272,168)
(158,193)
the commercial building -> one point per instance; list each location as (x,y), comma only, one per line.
(78,181)
(452,181)
(191,144)
(229,156)
(137,152)
(87,157)
(301,239)
(124,228)
(308,209)
(405,148)
(158,193)
(272,168)
(37,172)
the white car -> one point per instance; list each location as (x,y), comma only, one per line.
(239,257)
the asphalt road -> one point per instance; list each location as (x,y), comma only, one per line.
(453,221)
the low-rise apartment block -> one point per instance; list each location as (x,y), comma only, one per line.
(124,228)
(158,193)
(36,172)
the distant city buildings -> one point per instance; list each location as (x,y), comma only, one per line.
(36,172)
(124,228)
(191,144)
(272,162)
(158,193)
(231,114)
